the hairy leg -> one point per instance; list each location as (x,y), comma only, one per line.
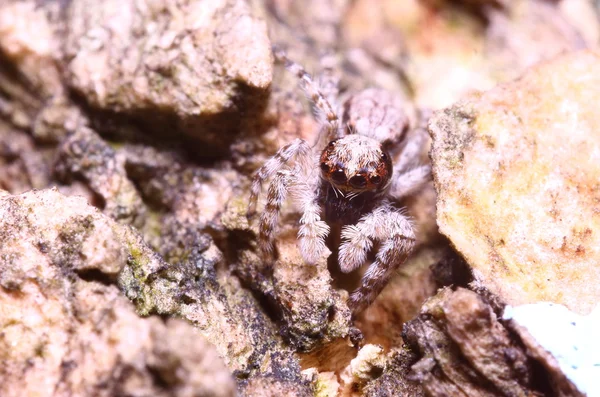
(297,148)
(412,150)
(409,181)
(408,177)
(392,254)
(386,224)
(276,196)
(332,126)
(305,194)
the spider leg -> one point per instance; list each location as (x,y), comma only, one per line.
(278,190)
(332,126)
(312,233)
(407,179)
(415,141)
(357,242)
(313,230)
(385,224)
(297,147)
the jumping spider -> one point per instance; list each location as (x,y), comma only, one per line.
(350,184)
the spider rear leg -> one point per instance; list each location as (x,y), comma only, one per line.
(407,179)
(313,230)
(332,125)
(385,224)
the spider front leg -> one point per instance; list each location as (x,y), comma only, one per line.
(298,147)
(313,230)
(276,196)
(394,230)
(282,177)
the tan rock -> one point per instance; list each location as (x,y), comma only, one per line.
(517,174)
(395,379)
(66,330)
(28,38)
(188,62)
(368,364)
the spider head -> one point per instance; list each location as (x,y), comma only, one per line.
(356,164)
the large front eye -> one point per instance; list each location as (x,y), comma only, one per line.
(338,176)
(324,167)
(358,181)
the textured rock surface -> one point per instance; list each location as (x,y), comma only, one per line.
(517,177)
(312,313)
(65,331)
(464,350)
(192,64)
(116,101)
(460,51)
(84,155)
(395,379)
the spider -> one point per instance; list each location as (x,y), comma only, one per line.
(350,185)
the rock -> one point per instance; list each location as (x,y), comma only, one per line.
(22,165)
(268,386)
(584,16)
(460,51)
(191,65)
(514,36)
(517,180)
(34,96)
(465,350)
(311,312)
(84,155)
(368,364)
(29,38)
(395,379)
(186,274)
(67,330)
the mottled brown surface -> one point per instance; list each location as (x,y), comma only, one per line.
(65,331)
(157,113)
(192,65)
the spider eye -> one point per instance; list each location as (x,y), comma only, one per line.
(375,179)
(358,181)
(324,167)
(338,176)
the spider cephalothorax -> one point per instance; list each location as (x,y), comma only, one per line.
(356,169)
(354,188)
(355,164)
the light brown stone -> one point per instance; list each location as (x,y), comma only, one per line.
(517,174)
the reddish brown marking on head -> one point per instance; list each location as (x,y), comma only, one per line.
(356,163)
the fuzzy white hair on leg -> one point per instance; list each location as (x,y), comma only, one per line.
(395,230)
(409,181)
(269,218)
(296,148)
